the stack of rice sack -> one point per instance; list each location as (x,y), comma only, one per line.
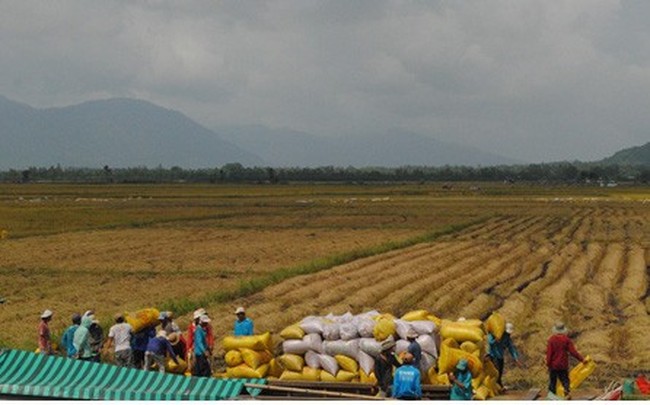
(425,327)
(343,348)
(466,339)
(248,356)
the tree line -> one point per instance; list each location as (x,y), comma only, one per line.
(564,172)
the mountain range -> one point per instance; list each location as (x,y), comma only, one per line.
(129,133)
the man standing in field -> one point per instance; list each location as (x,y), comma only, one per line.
(498,347)
(406,382)
(81,340)
(96,336)
(461,380)
(44,340)
(243,325)
(201,349)
(120,336)
(384,364)
(67,340)
(557,358)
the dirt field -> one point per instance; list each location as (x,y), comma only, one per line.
(538,255)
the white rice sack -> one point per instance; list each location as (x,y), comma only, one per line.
(428,345)
(370,346)
(348,331)
(423,327)
(366,362)
(348,348)
(346,317)
(329,364)
(314,342)
(370,314)
(312,359)
(401,346)
(331,331)
(312,324)
(331,317)
(295,346)
(402,328)
(365,327)
(427,362)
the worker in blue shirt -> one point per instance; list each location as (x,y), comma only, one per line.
(461,382)
(243,325)
(498,347)
(68,336)
(414,347)
(201,349)
(406,381)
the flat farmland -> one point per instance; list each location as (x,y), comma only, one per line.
(536,254)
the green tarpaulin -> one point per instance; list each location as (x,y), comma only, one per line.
(29,374)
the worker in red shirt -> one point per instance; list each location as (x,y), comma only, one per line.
(557,358)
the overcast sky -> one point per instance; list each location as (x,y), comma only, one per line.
(533,80)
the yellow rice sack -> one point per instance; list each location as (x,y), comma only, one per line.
(263,370)
(292,332)
(496,325)
(275,369)
(307,374)
(255,342)
(493,388)
(254,359)
(461,331)
(325,376)
(469,347)
(347,363)
(174,368)
(345,376)
(449,358)
(367,378)
(142,319)
(243,371)
(478,380)
(438,379)
(418,315)
(435,320)
(577,375)
(291,362)
(450,342)
(384,327)
(233,358)
(482,393)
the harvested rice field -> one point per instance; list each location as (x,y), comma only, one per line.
(536,254)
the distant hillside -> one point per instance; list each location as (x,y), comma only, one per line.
(288,148)
(115,132)
(638,155)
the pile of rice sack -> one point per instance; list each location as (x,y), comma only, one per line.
(343,348)
(248,356)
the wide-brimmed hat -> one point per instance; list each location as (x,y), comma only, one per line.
(173,338)
(240,310)
(411,334)
(204,319)
(462,365)
(510,327)
(46,314)
(118,316)
(559,327)
(387,343)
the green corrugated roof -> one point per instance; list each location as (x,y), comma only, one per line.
(29,374)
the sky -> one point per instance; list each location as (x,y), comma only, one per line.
(537,81)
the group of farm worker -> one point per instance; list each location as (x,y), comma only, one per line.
(406,379)
(149,347)
(84,340)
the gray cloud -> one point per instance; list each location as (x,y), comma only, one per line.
(535,80)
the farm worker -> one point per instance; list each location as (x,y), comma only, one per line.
(120,336)
(406,383)
(178,344)
(497,348)
(166,319)
(461,380)
(44,340)
(192,329)
(414,347)
(243,325)
(81,340)
(384,363)
(157,349)
(557,358)
(139,345)
(68,336)
(201,349)
(96,338)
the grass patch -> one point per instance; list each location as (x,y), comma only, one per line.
(257,284)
